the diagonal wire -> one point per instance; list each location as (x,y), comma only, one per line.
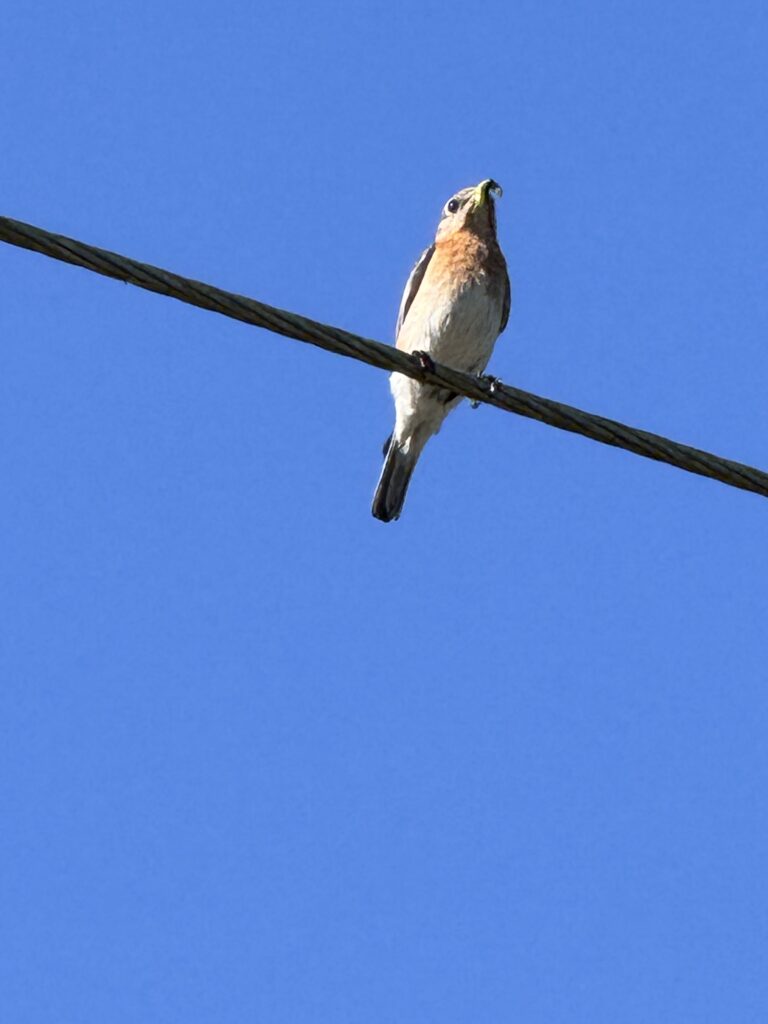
(290,325)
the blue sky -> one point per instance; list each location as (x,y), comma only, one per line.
(264,758)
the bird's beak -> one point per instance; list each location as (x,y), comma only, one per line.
(484,188)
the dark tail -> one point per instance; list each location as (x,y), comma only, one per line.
(393,483)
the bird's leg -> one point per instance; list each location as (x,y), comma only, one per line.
(424,359)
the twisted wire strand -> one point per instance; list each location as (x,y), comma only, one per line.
(333,339)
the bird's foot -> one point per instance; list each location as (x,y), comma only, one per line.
(425,360)
(492,382)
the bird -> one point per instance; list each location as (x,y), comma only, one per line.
(455,305)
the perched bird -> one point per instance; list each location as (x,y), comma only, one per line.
(455,305)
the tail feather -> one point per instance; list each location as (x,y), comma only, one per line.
(393,482)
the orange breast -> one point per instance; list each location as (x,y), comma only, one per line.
(462,254)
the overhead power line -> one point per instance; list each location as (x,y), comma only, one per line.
(477,389)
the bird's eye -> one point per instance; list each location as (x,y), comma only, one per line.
(452,206)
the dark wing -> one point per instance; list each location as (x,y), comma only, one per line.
(506,302)
(412,286)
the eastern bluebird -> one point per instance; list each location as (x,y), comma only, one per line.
(455,305)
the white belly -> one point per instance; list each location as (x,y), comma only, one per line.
(460,334)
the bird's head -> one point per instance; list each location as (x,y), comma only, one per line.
(471,209)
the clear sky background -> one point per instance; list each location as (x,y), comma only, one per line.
(264,758)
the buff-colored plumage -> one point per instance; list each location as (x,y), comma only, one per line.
(455,305)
